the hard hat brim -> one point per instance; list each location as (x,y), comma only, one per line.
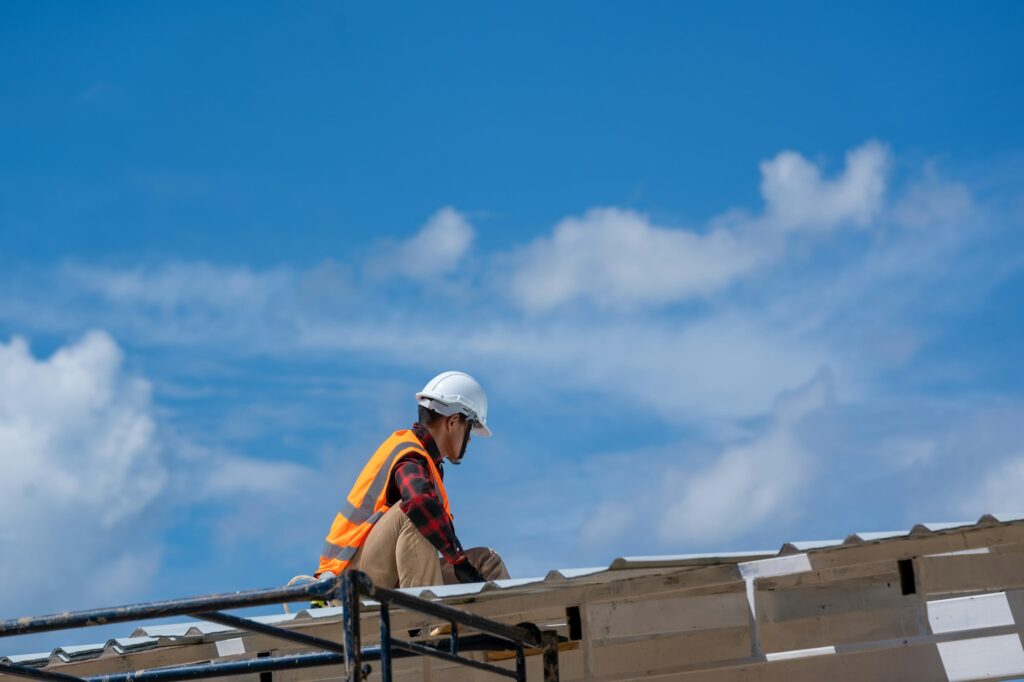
(432,402)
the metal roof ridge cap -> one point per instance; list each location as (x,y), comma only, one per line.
(684,560)
(122,646)
(560,574)
(134,641)
(801,546)
(73,649)
(80,652)
(505,583)
(177,630)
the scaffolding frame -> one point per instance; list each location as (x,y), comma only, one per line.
(348,588)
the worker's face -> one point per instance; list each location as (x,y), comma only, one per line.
(454,431)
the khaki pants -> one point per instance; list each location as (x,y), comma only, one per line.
(396,554)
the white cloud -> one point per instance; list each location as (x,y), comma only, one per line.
(749,483)
(436,249)
(797,197)
(617,258)
(80,464)
(91,482)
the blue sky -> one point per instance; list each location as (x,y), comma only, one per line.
(732,275)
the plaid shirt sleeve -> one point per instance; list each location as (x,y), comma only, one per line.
(423,507)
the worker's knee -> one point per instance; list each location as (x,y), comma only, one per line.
(487,561)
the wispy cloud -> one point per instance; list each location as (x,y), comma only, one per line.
(214,473)
(183,285)
(687,495)
(682,370)
(750,482)
(933,202)
(999,490)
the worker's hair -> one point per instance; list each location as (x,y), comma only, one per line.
(427,416)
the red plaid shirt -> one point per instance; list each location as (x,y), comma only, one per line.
(411,482)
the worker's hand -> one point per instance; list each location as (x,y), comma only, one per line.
(466,572)
(321,603)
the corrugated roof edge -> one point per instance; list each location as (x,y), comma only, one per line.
(119,645)
(878,536)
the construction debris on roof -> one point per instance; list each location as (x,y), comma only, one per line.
(938,602)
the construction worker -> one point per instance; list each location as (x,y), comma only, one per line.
(396,518)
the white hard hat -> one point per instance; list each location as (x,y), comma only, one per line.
(457,393)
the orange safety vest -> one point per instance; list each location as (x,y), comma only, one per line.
(367,501)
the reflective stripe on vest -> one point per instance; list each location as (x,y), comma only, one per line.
(353,522)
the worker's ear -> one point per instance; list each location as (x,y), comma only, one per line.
(453,421)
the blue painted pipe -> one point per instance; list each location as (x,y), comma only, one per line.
(323,589)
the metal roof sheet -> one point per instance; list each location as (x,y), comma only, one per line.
(680,560)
